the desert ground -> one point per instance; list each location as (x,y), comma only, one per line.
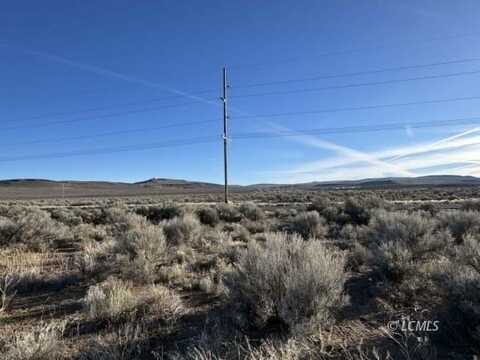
(275,274)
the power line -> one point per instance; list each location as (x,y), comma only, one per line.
(356,108)
(245,136)
(100,108)
(114,149)
(375,83)
(357,129)
(349,74)
(105,134)
(106,116)
(385,45)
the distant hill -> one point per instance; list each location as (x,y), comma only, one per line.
(44,188)
(431,180)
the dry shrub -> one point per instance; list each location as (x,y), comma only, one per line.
(237,232)
(459,223)
(156,214)
(41,343)
(86,232)
(93,256)
(229,213)
(289,280)
(66,217)
(111,299)
(8,229)
(459,285)
(182,230)
(357,211)
(32,227)
(165,303)
(401,241)
(208,216)
(251,211)
(310,225)
(123,344)
(400,227)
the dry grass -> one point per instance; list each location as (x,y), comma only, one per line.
(40,343)
(111,299)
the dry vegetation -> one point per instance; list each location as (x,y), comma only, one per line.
(320,279)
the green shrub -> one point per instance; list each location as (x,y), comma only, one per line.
(299,283)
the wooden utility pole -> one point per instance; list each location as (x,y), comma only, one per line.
(225,132)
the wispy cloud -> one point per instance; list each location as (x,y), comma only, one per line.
(457,154)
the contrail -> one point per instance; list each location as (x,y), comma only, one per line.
(110,73)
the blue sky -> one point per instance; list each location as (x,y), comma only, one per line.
(71,71)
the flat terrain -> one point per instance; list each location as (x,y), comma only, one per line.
(390,273)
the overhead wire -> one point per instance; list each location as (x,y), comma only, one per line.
(374,83)
(357,129)
(357,73)
(357,108)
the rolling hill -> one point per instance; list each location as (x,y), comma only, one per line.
(44,188)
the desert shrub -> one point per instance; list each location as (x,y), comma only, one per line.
(256,227)
(460,223)
(401,242)
(310,225)
(41,343)
(125,343)
(471,205)
(229,213)
(111,299)
(240,233)
(461,310)
(358,256)
(357,212)
(319,205)
(289,280)
(8,229)
(165,303)
(251,211)
(208,216)
(87,232)
(95,256)
(155,214)
(469,253)
(146,247)
(401,227)
(66,217)
(182,230)
(33,227)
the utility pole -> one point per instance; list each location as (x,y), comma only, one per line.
(225,132)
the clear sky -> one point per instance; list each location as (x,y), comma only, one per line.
(104,76)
